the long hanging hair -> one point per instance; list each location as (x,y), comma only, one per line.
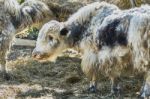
(30,11)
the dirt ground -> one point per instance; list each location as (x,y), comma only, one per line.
(61,80)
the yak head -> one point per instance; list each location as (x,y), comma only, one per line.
(51,41)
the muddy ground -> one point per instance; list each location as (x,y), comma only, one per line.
(61,80)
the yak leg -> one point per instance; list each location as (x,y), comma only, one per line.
(3,62)
(90,69)
(116,87)
(4,48)
(93,84)
(145,90)
(4,71)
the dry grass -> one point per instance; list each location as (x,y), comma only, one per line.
(61,80)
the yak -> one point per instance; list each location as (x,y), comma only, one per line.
(112,42)
(15,17)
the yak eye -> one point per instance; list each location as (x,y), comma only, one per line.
(50,37)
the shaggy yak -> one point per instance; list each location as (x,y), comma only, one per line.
(14,18)
(111,41)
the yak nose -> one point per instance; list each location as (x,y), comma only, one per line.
(36,54)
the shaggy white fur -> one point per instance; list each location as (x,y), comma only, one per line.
(14,17)
(110,40)
(26,13)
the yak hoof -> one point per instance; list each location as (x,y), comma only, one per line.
(117,92)
(92,89)
(145,92)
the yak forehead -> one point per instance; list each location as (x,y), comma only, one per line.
(51,28)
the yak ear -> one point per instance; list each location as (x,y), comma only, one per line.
(64,31)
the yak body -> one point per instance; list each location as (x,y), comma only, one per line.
(110,40)
(15,17)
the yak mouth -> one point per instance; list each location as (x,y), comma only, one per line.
(46,58)
(41,56)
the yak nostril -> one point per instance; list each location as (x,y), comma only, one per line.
(36,55)
(33,55)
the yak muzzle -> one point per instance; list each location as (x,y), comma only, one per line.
(36,55)
(39,55)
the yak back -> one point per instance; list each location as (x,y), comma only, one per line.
(114,33)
